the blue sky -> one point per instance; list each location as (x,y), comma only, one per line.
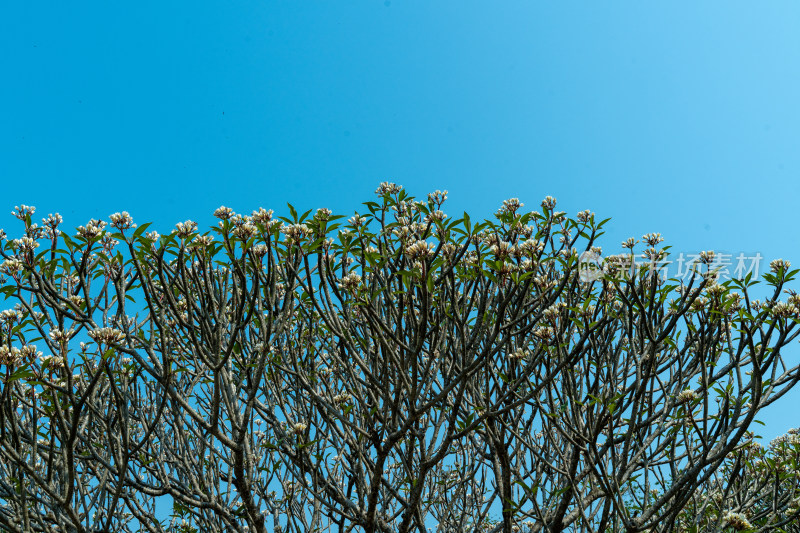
(672,117)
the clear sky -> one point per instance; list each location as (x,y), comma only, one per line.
(672,117)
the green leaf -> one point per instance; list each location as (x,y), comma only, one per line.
(140,230)
(21,373)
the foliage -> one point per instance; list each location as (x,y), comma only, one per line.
(410,371)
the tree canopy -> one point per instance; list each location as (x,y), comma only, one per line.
(397,370)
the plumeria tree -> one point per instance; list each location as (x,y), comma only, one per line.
(394,371)
(757,488)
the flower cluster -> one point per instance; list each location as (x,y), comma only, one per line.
(262,216)
(437,197)
(106,335)
(419,249)
(184,229)
(295,232)
(388,188)
(552,312)
(707,257)
(323,214)
(778,265)
(350,282)
(653,255)
(25,244)
(60,336)
(92,229)
(652,238)
(436,216)
(223,213)
(9,356)
(530,247)
(501,249)
(783,310)
(737,521)
(9,316)
(22,211)
(512,205)
(52,362)
(687,396)
(51,222)
(342,398)
(519,353)
(545,333)
(245,231)
(260,250)
(122,221)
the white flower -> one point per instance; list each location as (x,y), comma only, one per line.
(11,316)
(549,203)
(60,336)
(783,310)
(653,255)
(342,399)
(350,282)
(223,213)
(388,188)
(519,353)
(245,231)
(779,264)
(25,244)
(554,310)
(29,353)
(737,521)
(437,216)
(437,197)
(419,249)
(23,210)
(238,220)
(530,247)
(687,396)
(262,216)
(260,250)
(53,220)
(50,361)
(9,356)
(295,232)
(203,240)
(652,238)
(502,249)
(512,205)
(106,335)
(122,221)
(184,229)
(323,214)
(707,257)
(93,229)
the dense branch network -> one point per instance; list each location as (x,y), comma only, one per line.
(397,371)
